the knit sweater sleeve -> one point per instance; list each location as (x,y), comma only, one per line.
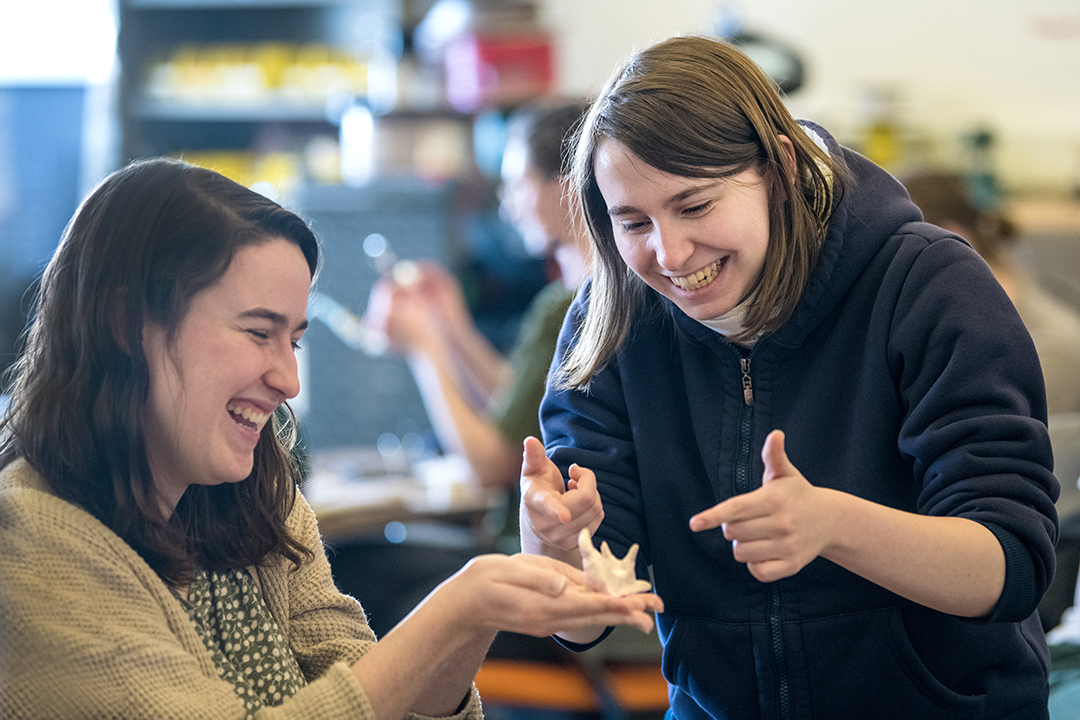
(323,626)
(327,630)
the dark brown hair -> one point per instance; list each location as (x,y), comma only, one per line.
(144,242)
(546,127)
(698,107)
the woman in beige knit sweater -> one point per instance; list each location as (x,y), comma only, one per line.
(156,559)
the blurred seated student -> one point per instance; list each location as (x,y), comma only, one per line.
(945,200)
(483,404)
(158,560)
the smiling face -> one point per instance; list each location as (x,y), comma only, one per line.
(231,364)
(700,242)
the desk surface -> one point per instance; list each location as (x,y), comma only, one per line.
(353,495)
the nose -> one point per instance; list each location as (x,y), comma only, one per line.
(671,245)
(284,375)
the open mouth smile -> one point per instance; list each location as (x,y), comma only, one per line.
(247,417)
(699,279)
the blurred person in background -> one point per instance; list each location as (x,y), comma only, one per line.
(484,404)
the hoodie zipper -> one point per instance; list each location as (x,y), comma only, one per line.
(747,381)
(776,631)
(743,485)
(746,420)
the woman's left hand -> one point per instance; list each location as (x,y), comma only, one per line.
(536,595)
(427,662)
(778,528)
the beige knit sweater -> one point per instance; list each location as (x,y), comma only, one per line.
(87,629)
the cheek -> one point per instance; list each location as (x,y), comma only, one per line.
(166,388)
(762,234)
(636,249)
(626,252)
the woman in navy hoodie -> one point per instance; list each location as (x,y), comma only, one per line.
(821,418)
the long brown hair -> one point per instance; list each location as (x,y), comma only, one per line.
(142,244)
(698,107)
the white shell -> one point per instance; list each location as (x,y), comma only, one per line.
(606,573)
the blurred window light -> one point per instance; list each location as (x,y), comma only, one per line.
(443,22)
(53,42)
(395,532)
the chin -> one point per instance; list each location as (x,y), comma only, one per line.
(239,473)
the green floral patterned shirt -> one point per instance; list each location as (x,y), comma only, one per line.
(247,645)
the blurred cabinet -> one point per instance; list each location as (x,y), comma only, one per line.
(248,80)
(266,76)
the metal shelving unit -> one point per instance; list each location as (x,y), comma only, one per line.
(151,31)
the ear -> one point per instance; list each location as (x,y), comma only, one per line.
(789,152)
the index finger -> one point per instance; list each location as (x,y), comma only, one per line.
(601,609)
(740,507)
(574,575)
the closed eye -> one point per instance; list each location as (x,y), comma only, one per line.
(263,335)
(698,209)
(631,226)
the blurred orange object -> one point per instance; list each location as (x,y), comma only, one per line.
(636,687)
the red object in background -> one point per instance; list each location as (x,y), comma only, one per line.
(500,69)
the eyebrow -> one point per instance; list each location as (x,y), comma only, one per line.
(274,317)
(676,198)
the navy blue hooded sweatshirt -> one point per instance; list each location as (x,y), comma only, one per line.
(904,377)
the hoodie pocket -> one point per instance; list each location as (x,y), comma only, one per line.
(865,663)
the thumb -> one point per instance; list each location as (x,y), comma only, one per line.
(541,482)
(533,460)
(775,457)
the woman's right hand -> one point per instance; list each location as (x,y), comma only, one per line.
(553,514)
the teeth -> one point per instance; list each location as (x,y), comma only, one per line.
(696,280)
(252,416)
